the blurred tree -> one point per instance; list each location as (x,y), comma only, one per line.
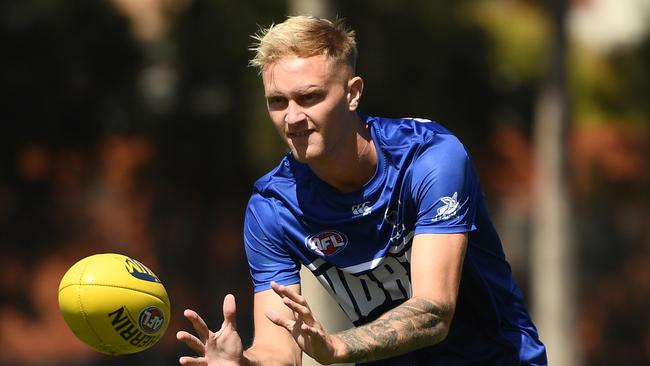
(58,88)
(427,59)
(77,73)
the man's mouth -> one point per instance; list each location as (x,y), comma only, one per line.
(298,134)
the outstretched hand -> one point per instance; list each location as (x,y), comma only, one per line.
(221,348)
(308,333)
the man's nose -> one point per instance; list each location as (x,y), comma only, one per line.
(294,114)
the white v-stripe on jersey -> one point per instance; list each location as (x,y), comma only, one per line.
(359,244)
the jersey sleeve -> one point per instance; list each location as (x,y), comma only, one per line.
(268,259)
(445,187)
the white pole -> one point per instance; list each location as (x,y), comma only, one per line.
(317,8)
(325,308)
(553,278)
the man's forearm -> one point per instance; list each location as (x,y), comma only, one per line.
(414,324)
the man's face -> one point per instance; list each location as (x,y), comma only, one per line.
(309,102)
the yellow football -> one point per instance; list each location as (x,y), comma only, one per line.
(114,303)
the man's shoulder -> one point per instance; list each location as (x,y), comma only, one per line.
(280,175)
(406,130)
(414,137)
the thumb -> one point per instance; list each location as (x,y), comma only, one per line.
(229,311)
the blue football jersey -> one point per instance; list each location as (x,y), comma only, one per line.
(358,244)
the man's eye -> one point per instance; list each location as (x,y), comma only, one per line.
(310,98)
(275,101)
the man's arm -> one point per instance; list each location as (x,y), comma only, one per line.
(423,320)
(272,345)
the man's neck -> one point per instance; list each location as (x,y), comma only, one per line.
(352,167)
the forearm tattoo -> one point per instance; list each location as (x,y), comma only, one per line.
(414,324)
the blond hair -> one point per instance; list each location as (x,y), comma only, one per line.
(304,36)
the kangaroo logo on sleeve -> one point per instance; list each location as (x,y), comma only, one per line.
(449,209)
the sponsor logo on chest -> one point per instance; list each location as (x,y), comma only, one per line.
(362,209)
(327,243)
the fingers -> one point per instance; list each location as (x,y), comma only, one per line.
(229,312)
(198,324)
(285,291)
(292,300)
(191,341)
(193,361)
(311,330)
(224,344)
(301,310)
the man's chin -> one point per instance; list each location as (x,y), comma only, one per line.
(299,156)
(302,155)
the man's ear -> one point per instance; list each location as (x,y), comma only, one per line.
(355,89)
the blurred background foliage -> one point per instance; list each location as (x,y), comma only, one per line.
(136,126)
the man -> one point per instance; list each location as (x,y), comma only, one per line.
(387,214)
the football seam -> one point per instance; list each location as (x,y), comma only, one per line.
(81,307)
(115,286)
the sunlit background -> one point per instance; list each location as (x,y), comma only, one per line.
(135,126)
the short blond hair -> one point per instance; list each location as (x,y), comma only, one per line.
(304,36)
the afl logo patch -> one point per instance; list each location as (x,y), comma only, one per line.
(139,270)
(151,319)
(327,242)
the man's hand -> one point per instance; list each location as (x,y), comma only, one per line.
(222,348)
(308,333)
